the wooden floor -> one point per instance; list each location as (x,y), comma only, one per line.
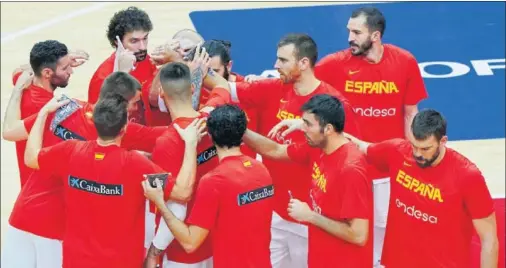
(82,25)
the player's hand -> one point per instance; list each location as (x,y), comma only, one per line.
(155,195)
(252,78)
(125,59)
(194,132)
(300,211)
(289,125)
(24,80)
(171,51)
(54,104)
(78,57)
(200,62)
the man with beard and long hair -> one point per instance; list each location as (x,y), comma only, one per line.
(384,85)
(339,210)
(274,101)
(437,198)
(128,33)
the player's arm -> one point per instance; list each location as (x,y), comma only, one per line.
(487,231)
(189,236)
(265,146)
(362,145)
(415,92)
(13,127)
(34,143)
(479,204)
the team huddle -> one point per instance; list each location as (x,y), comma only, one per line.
(176,161)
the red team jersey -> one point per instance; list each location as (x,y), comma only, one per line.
(33,99)
(273,102)
(169,154)
(431,209)
(340,190)
(234,202)
(42,198)
(104,202)
(144,72)
(378,92)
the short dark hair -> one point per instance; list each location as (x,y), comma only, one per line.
(428,122)
(375,21)
(126,21)
(120,83)
(46,54)
(304,45)
(327,109)
(227,125)
(110,116)
(175,79)
(218,48)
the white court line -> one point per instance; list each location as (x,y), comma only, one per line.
(11,36)
(496,196)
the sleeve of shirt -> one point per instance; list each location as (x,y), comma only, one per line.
(167,154)
(255,94)
(30,121)
(56,158)
(356,194)
(351,124)
(416,91)
(96,83)
(206,206)
(379,154)
(326,69)
(218,96)
(142,138)
(477,199)
(299,152)
(15,78)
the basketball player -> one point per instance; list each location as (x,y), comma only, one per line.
(384,85)
(38,214)
(52,66)
(97,176)
(437,198)
(340,209)
(128,32)
(233,201)
(169,153)
(274,101)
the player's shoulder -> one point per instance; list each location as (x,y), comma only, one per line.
(337,57)
(461,164)
(399,52)
(106,67)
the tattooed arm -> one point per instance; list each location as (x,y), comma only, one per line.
(198,66)
(197,79)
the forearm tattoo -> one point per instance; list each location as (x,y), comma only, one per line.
(197,85)
(153,251)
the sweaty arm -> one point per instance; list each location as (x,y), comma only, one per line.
(265,146)
(487,231)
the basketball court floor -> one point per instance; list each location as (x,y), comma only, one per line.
(83,26)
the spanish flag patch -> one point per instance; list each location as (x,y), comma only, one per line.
(99,156)
(247,163)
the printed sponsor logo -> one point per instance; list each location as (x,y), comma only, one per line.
(415,213)
(255,195)
(374,112)
(95,187)
(206,155)
(66,134)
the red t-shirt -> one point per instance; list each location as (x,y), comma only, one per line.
(378,92)
(39,208)
(234,202)
(340,191)
(144,72)
(104,202)
(32,100)
(431,209)
(169,154)
(275,101)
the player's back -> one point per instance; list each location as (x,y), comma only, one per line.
(105,207)
(244,218)
(169,155)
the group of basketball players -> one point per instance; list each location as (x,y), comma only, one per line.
(161,166)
